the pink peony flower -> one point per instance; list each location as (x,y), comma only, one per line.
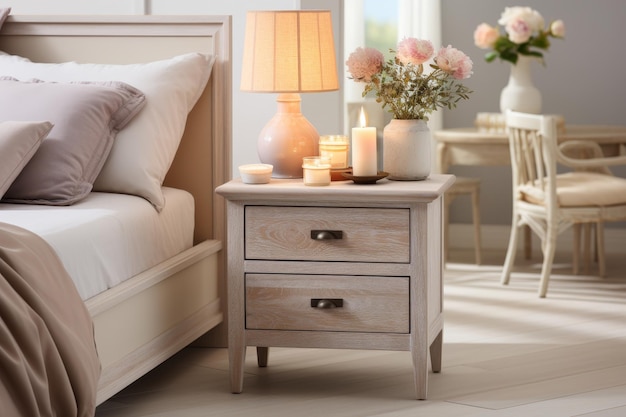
(364,63)
(520,23)
(519,30)
(406,90)
(532,17)
(454,62)
(557,28)
(414,51)
(485,36)
(524,34)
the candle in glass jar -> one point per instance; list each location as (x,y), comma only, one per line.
(364,159)
(336,148)
(316,170)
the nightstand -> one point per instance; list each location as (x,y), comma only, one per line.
(342,266)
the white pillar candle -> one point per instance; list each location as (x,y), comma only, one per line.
(364,159)
(316,170)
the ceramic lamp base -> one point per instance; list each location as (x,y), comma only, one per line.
(287,138)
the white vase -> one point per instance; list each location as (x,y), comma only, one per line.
(406,150)
(520,94)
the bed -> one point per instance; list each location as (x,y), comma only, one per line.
(141,320)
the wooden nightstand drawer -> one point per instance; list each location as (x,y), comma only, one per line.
(307,234)
(292,302)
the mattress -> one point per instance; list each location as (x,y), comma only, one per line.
(107,238)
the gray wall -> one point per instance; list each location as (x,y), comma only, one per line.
(583,79)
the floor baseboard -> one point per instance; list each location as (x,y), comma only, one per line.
(497,237)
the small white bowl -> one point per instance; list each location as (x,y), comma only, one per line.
(256,173)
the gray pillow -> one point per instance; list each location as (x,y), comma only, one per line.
(18,143)
(86,118)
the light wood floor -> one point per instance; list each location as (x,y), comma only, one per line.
(506,353)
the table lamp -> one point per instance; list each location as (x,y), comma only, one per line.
(288,52)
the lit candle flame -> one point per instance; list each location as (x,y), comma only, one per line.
(362,118)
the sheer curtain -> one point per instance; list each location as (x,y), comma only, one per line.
(422,19)
(353,37)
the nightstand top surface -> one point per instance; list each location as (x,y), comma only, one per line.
(294,189)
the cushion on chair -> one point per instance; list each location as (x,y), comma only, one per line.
(582,189)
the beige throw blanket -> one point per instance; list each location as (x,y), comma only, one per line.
(48,360)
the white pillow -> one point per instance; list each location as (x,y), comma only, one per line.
(143,152)
(18,143)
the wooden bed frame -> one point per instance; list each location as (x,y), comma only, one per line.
(153,315)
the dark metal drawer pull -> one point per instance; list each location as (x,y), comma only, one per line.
(326,303)
(326,234)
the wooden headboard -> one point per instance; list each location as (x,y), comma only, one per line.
(203,160)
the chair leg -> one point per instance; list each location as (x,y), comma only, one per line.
(595,246)
(587,247)
(576,248)
(510,253)
(476,220)
(548,258)
(600,248)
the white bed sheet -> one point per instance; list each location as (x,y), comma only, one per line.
(107,238)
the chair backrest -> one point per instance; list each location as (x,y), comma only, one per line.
(533,148)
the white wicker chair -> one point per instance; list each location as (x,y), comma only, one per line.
(549,203)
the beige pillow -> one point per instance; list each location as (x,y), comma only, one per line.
(86,118)
(144,150)
(18,143)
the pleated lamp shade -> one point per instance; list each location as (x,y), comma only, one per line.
(288,52)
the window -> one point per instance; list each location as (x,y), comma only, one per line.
(381,25)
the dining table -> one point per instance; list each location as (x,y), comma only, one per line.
(476,146)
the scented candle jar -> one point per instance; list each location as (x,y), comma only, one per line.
(316,170)
(255,173)
(335,147)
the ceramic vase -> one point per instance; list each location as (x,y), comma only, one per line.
(520,94)
(406,150)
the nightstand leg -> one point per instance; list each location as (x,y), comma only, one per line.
(262,352)
(435,352)
(420,369)
(236,357)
